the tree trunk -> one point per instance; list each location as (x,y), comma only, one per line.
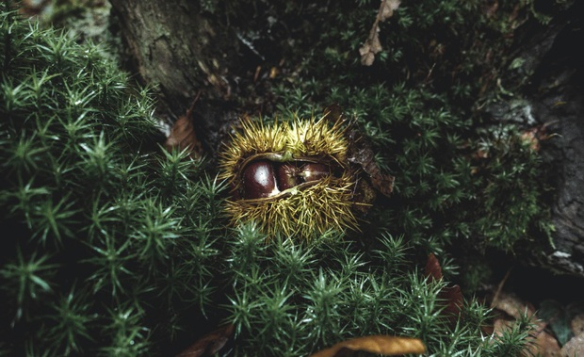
(179,51)
(176,47)
(551,80)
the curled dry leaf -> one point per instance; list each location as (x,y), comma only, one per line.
(433,269)
(182,135)
(372,45)
(380,344)
(542,344)
(454,301)
(361,154)
(387,8)
(451,295)
(209,344)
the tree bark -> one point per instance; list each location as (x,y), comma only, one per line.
(551,81)
(180,52)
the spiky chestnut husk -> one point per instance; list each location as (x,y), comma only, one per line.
(304,185)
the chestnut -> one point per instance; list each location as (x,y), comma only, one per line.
(295,178)
(259,180)
(287,176)
(314,171)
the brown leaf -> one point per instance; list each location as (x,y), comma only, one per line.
(367,59)
(451,295)
(209,344)
(365,49)
(543,345)
(372,45)
(380,344)
(360,153)
(574,347)
(490,8)
(513,306)
(183,136)
(578,324)
(540,341)
(375,44)
(387,8)
(534,136)
(433,268)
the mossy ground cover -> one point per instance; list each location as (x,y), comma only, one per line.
(112,246)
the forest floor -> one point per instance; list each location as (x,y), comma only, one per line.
(554,305)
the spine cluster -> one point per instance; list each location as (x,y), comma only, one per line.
(290,177)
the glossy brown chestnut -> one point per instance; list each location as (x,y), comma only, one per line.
(287,176)
(259,180)
(314,171)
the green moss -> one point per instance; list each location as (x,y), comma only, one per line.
(339,290)
(94,209)
(420,104)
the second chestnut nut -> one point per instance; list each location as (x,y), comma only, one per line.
(287,176)
(314,171)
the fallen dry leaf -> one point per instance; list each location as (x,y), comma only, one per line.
(536,135)
(433,268)
(513,306)
(361,154)
(490,8)
(372,45)
(577,324)
(540,341)
(370,48)
(380,344)
(209,344)
(542,344)
(182,135)
(574,347)
(387,8)
(451,295)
